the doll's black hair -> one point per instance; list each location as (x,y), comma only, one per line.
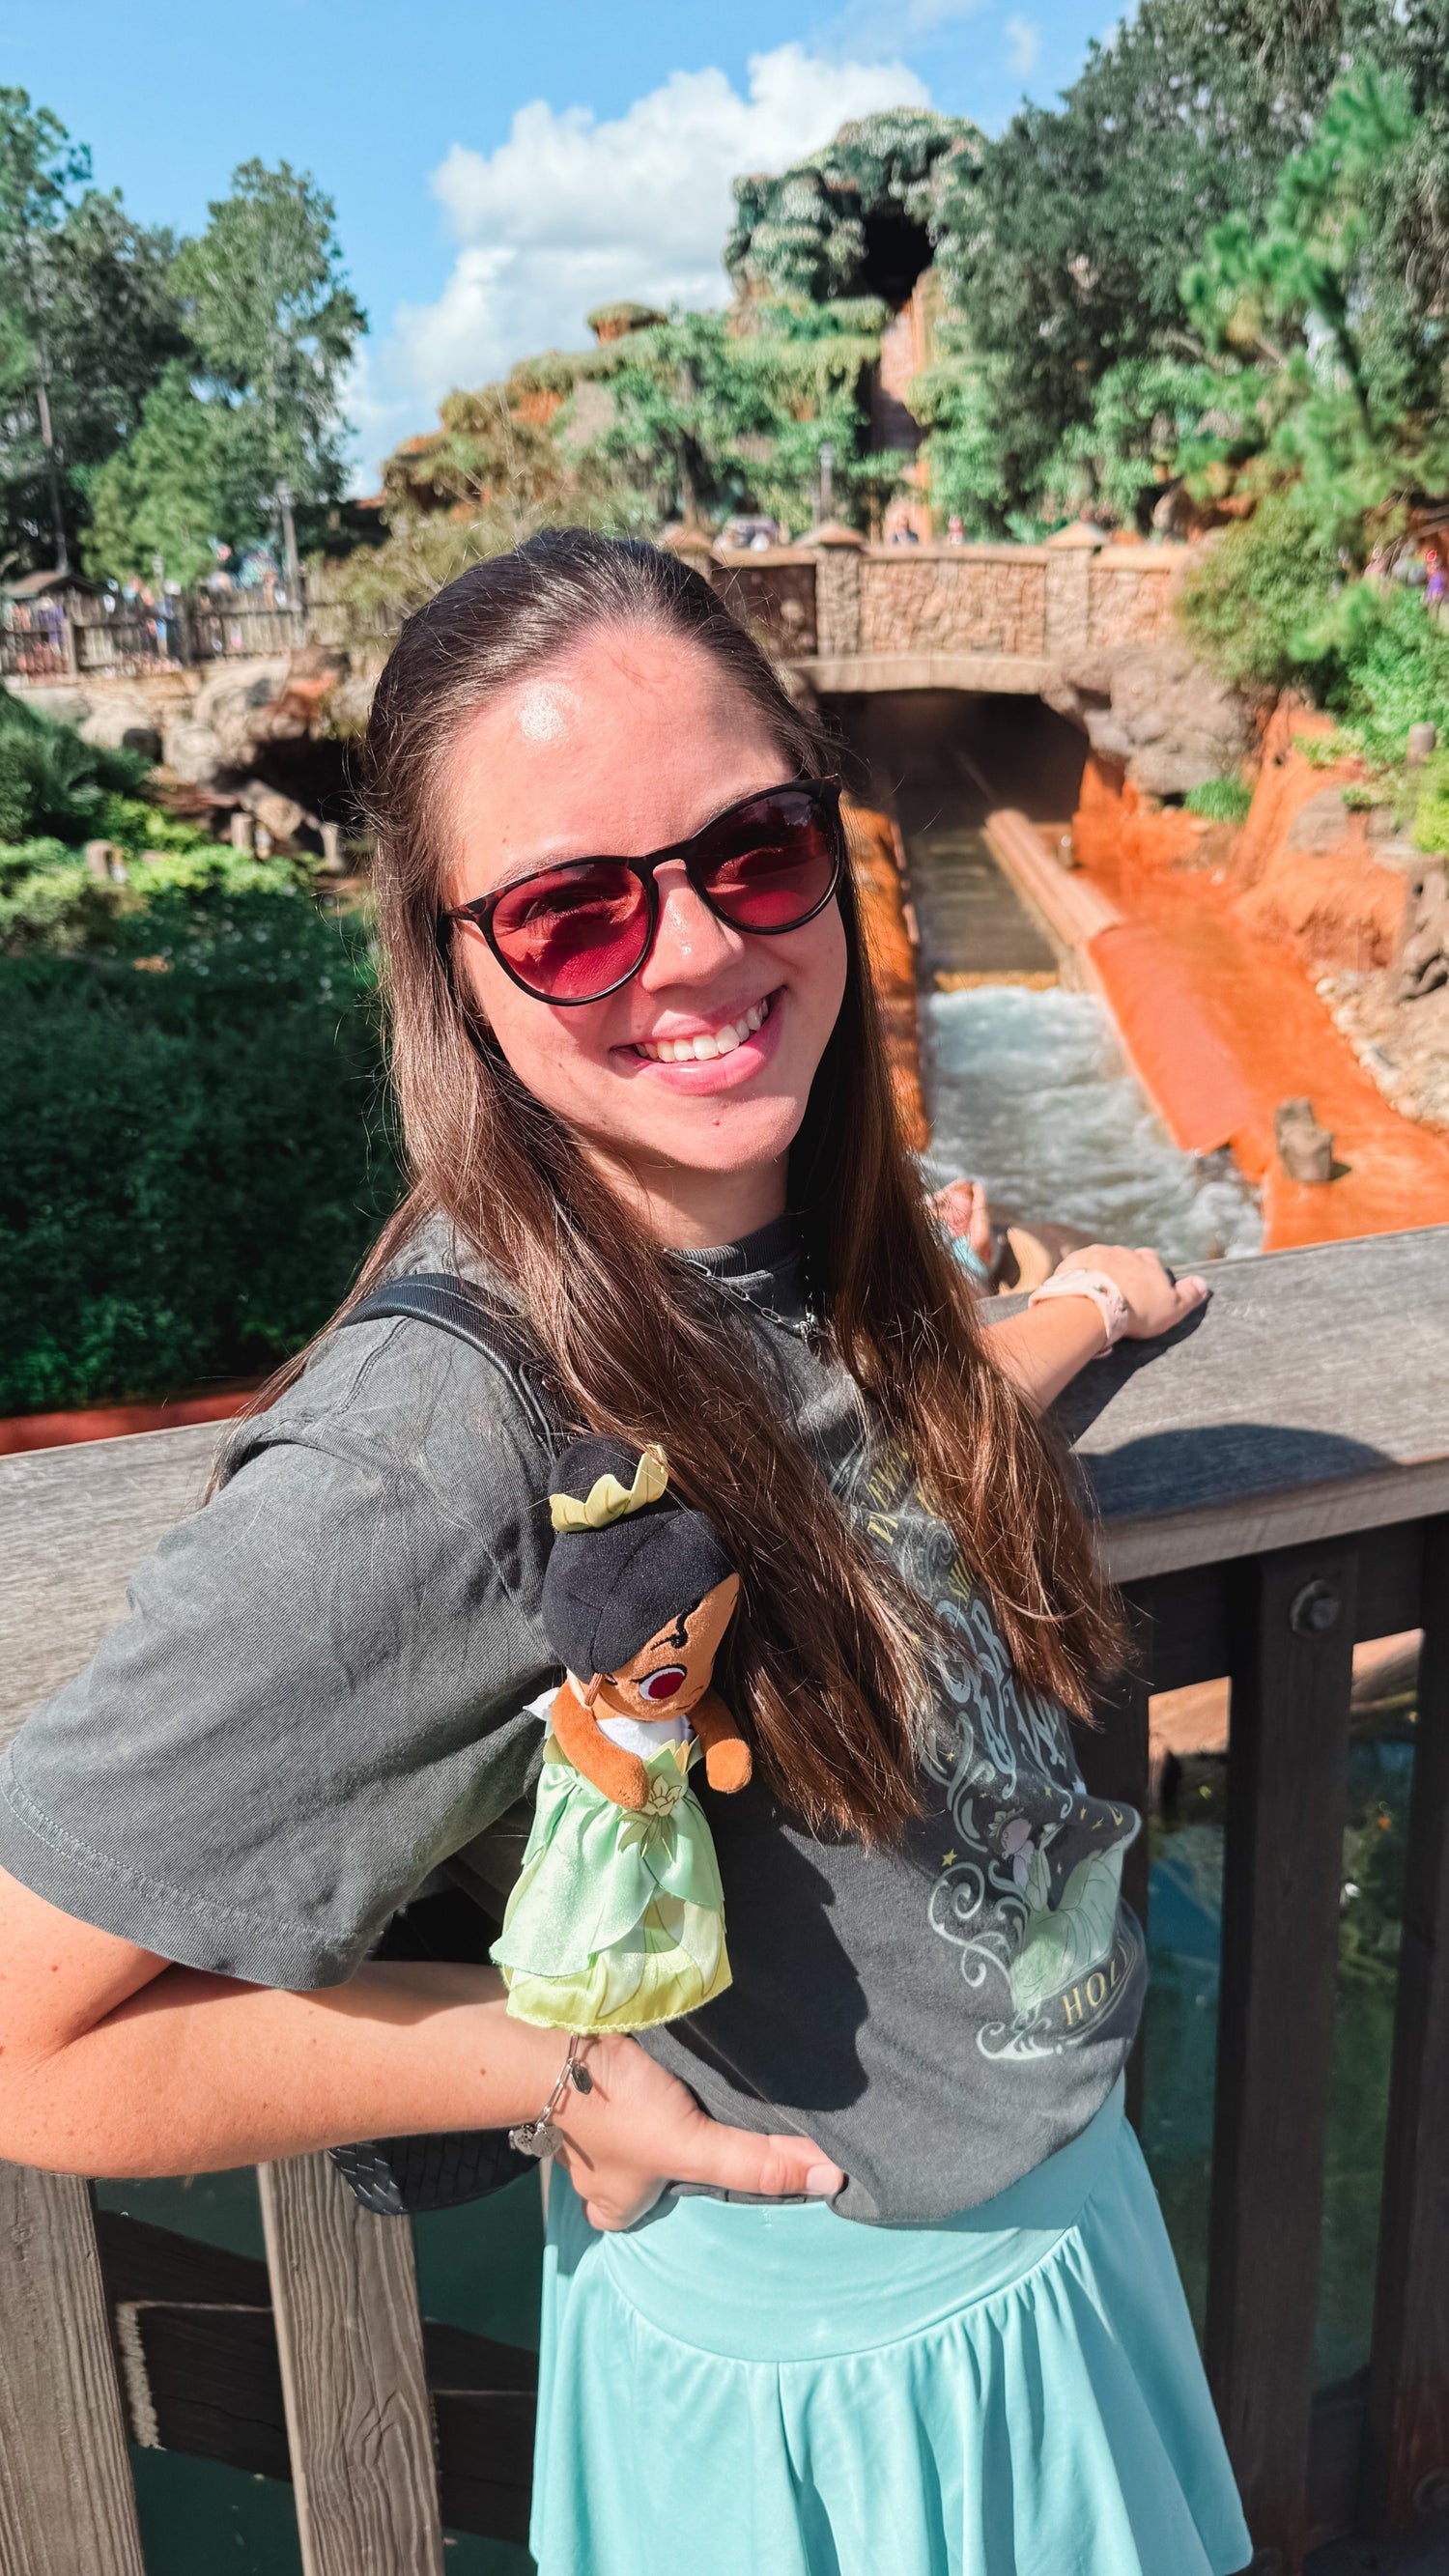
(607,1591)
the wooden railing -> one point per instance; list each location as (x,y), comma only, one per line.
(88,639)
(1274,1486)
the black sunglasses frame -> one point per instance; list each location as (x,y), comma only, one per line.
(822,793)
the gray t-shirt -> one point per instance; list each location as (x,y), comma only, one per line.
(324,1690)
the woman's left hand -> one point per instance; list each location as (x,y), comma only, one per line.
(1155,1299)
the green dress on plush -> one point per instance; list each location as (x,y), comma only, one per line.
(617,1919)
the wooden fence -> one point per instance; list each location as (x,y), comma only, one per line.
(86,638)
(1274,1486)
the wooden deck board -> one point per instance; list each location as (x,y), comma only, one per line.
(67,2505)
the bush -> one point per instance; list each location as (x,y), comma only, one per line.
(1219,800)
(51,904)
(1394,671)
(1255,601)
(1431,808)
(51,781)
(193,1151)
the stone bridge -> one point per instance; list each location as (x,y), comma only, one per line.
(1089,628)
(1020,620)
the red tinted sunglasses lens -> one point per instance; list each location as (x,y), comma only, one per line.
(775,867)
(572,933)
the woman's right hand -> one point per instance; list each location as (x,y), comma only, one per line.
(640,2129)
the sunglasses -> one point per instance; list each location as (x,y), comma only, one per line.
(575,931)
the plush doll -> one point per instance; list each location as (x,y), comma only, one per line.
(617,1920)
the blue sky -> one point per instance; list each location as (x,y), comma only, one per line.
(499,168)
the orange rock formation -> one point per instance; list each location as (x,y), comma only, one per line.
(892,961)
(1209,972)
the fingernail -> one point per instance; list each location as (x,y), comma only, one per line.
(822,2180)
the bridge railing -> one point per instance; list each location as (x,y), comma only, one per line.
(859,616)
(1274,1487)
(853,616)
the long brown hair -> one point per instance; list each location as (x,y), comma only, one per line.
(828,1659)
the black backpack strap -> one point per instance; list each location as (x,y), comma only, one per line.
(453,1305)
(395,2176)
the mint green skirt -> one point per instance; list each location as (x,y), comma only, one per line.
(739,2390)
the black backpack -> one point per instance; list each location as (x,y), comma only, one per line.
(458,1914)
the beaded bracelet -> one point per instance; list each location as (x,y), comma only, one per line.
(539,2137)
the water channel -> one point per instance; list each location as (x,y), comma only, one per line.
(1026,1087)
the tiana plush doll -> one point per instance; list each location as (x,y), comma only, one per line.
(617,1920)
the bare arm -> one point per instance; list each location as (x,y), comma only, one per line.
(113,2061)
(727,1763)
(1044,1347)
(619,1774)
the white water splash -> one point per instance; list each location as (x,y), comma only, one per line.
(1028,1092)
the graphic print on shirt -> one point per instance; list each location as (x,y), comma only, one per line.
(1028,1890)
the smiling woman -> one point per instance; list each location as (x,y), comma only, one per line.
(694,987)
(718,1268)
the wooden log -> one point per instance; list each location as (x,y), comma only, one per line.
(345,2299)
(1406,2456)
(1291,1673)
(66,2500)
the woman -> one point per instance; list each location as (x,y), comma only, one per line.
(913,2306)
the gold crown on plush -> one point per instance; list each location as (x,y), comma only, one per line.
(608,1500)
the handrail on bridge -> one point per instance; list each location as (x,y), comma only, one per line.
(1273,1485)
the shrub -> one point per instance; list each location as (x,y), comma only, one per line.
(1219,800)
(50,903)
(1257,597)
(193,1151)
(53,782)
(1431,808)
(1394,671)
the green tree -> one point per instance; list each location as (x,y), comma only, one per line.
(858,218)
(711,413)
(274,324)
(39,165)
(1063,240)
(87,322)
(192,477)
(1155,423)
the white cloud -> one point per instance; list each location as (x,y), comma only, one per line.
(864,26)
(570,212)
(1023,45)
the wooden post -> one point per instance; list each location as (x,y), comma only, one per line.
(1291,1669)
(359,2423)
(66,2499)
(1406,2454)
